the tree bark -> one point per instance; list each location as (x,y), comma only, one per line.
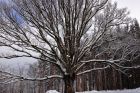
(69,83)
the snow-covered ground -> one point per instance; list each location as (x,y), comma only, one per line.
(114,91)
(52,91)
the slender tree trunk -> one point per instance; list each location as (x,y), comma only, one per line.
(69,84)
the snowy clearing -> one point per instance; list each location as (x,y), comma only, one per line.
(114,91)
(52,91)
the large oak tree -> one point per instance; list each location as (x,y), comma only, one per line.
(62,31)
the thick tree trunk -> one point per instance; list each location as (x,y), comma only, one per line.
(69,84)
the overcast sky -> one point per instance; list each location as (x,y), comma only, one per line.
(132,5)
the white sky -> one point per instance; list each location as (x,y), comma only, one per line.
(133,7)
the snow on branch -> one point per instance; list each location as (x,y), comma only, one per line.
(14,77)
(94,69)
(112,62)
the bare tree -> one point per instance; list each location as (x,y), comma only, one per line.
(63,31)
